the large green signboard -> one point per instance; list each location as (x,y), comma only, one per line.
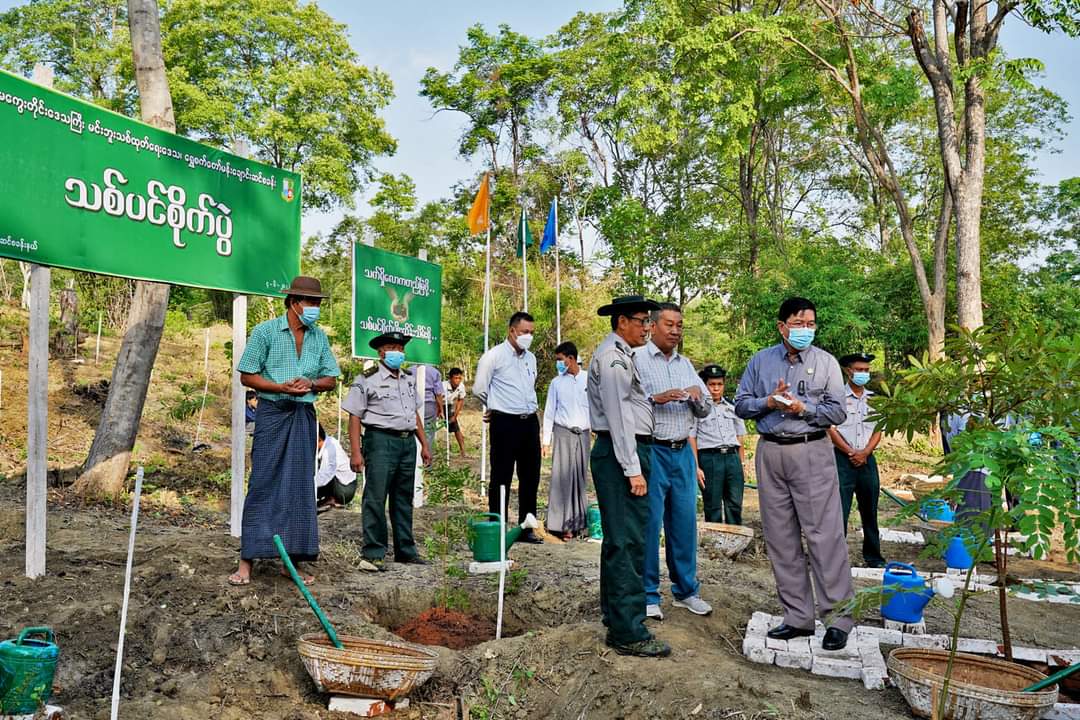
(396,293)
(87,189)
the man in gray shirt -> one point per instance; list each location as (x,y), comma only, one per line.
(621,417)
(795,391)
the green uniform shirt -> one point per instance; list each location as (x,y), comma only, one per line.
(271,353)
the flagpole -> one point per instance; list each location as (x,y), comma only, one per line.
(524,257)
(558,290)
(487,326)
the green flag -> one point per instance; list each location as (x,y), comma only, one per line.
(525,236)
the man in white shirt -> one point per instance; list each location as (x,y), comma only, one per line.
(506,384)
(454,393)
(854,441)
(566,424)
(335,481)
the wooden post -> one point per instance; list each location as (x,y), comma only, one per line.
(239,423)
(37,406)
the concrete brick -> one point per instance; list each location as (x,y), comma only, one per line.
(927,641)
(1029,654)
(761,655)
(487,568)
(836,667)
(918,628)
(976,646)
(1064,711)
(1069,656)
(872,679)
(872,658)
(759,622)
(848,652)
(752,642)
(361,707)
(774,644)
(796,660)
(799,645)
(868,573)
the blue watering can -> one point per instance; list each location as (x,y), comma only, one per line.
(956,553)
(937,510)
(905,595)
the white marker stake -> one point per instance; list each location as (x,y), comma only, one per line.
(206,388)
(127,594)
(446,419)
(502,558)
(97,348)
(339,412)
(1,389)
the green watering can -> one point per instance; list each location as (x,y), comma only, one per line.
(26,671)
(596,530)
(484,535)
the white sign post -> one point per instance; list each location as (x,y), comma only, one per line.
(239,416)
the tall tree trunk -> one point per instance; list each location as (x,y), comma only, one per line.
(107,464)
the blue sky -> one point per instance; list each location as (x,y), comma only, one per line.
(404,38)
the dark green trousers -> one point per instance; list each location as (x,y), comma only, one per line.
(389,469)
(864,484)
(338,490)
(622,555)
(722,495)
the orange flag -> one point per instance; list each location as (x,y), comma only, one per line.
(479,221)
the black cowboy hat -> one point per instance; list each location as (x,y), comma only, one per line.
(387,338)
(627,303)
(856,357)
(304,286)
(712,372)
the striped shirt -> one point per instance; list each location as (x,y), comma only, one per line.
(271,354)
(660,373)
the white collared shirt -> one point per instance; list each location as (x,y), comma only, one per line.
(506,380)
(855,430)
(567,403)
(333,462)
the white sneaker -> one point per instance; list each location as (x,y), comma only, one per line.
(694,604)
(654,612)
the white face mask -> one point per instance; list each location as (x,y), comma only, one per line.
(524,341)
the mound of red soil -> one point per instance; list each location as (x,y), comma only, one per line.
(446,628)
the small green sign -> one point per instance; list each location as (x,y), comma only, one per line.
(396,293)
(88,189)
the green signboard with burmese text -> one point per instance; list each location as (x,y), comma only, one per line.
(88,189)
(396,293)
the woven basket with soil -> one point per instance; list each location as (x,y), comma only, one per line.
(366,668)
(980,688)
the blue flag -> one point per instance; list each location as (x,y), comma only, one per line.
(548,241)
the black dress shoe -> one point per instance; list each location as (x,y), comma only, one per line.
(783,631)
(835,639)
(414,561)
(530,537)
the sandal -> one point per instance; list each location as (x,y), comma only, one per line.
(309,580)
(236,580)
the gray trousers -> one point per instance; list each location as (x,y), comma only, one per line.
(800,498)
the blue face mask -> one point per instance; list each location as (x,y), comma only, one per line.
(310,316)
(394,359)
(560,367)
(800,338)
(860,378)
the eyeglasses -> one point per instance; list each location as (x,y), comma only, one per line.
(645,321)
(794,325)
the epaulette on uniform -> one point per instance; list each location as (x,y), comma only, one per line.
(371,370)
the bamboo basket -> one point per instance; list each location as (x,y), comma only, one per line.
(922,489)
(980,688)
(366,668)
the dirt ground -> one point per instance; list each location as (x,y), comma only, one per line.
(197,648)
